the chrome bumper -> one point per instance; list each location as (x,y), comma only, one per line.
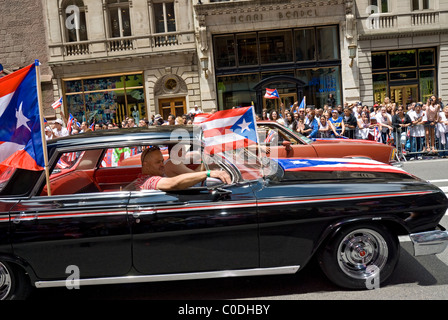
(429,242)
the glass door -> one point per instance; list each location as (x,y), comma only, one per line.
(404,94)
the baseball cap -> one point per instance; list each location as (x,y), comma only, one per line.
(59,121)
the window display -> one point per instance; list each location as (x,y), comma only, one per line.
(107,99)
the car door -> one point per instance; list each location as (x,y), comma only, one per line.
(194,230)
(88,230)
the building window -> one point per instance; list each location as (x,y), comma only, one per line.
(420,5)
(74,20)
(382,6)
(105,99)
(327,43)
(275,47)
(165,20)
(404,75)
(305,44)
(119,18)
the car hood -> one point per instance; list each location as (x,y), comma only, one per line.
(333,141)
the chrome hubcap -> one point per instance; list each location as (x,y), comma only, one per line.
(361,249)
(5,281)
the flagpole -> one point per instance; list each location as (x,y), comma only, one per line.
(42,127)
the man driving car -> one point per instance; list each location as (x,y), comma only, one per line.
(153,174)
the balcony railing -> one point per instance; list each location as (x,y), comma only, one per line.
(425,18)
(122,46)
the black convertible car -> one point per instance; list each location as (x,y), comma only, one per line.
(272,219)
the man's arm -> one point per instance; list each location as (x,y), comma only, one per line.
(187,180)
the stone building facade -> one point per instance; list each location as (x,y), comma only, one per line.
(23,40)
(114,58)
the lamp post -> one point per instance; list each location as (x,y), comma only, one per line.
(352,53)
(204,66)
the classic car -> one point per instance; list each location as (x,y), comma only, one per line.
(291,144)
(286,143)
(273,218)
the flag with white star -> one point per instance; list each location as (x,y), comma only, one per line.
(228,129)
(20,135)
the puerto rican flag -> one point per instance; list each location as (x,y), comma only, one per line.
(336,164)
(20,131)
(70,122)
(271,94)
(57,103)
(228,129)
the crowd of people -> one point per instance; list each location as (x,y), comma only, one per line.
(414,129)
(57,128)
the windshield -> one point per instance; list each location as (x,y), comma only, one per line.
(5,175)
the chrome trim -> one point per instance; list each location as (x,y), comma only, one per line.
(429,242)
(173,277)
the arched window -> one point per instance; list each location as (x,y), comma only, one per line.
(119,18)
(74,14)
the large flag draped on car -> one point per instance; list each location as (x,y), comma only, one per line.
(228,129)
(20,128)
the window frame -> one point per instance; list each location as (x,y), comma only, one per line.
(121,4)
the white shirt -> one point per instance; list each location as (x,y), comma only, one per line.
(417,130)
(60,133)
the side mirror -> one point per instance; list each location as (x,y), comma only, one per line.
(287,145)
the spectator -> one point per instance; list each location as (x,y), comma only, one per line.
(313,124)
(442,131)
(158,120)
(331,101)
(350,123)
(432,117)
(301,127)
(275,117)
(385,121)
(324,128)
(171,121)
(337,124)
(289,120)
(58,129)
(417,130)
(48,133)
(365,127)
(179,121)
(400,122)
(195,110)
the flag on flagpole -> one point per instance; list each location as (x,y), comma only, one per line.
(271,94)
(57,103)
(228,129)
(303,103)
(70,122)
(92,126)
(21,143)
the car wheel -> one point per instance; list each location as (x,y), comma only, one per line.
(14,284)
(360,257)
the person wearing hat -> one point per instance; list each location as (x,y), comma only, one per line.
(158,120)
(195,110)
(58,129)
(48,133)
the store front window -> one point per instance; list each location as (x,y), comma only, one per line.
(107,99)
(311,55)
(320,83)
(405,76)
